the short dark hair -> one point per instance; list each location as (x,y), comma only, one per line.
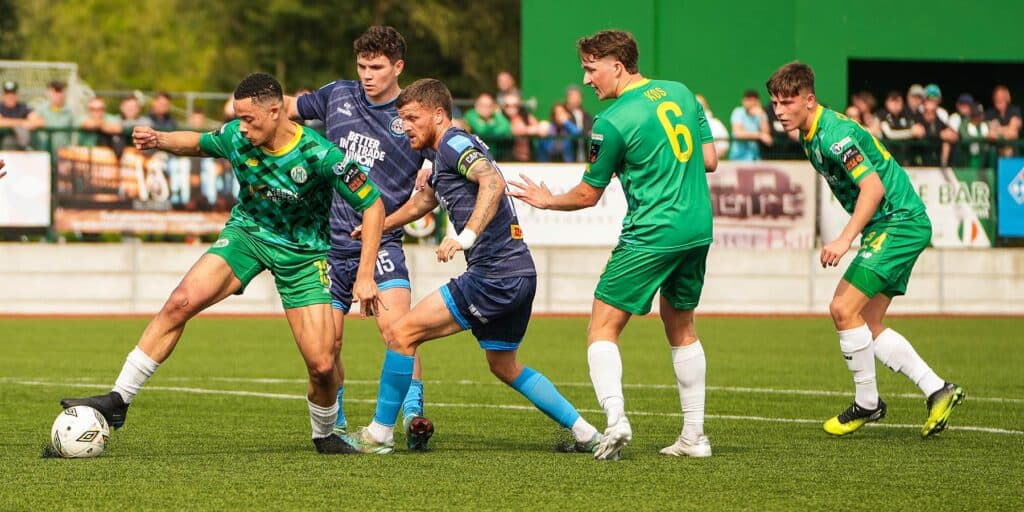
(893,95)
(790,79)
(56,85)
(163,94)
(261,87)
(380,40)
(750,93)
(617,43)
(429,92)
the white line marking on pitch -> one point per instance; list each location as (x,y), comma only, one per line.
(508,407)
(728,389)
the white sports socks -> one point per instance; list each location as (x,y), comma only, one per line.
(894,351)
(691,368)
(137,369)
(860,359)
(321,419)
(606,375)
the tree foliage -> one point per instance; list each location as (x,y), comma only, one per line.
(188,45)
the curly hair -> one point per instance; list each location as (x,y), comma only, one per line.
(261,87)
(380,40)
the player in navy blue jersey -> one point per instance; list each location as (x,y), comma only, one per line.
(361,118)
(493,298)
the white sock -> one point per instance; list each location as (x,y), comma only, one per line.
(857,349)
(582,430)
(137,369)
(381,433)
(321,419)
(691,368)
(606,374)
(894,351)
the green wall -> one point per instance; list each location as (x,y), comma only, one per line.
(721,49)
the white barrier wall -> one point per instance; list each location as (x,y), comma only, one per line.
(136,278)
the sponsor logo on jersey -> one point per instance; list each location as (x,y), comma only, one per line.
(596,139)
(517,232)
(347,109)
(852,158)
(397,127)
(280,195)
(221,242)
(252,162)
(298,175)
(351,175)
(838,146)
(363,149)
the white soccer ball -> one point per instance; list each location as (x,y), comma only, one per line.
(422,227)
(79,432)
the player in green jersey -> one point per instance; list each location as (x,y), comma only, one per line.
(287,176)
(655,138)
(888,213)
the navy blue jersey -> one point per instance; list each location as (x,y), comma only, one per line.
(500,250)
(373,136)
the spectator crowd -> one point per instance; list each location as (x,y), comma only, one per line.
(914,125)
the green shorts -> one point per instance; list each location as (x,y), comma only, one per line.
(632,277)
(887,255)
(301,276)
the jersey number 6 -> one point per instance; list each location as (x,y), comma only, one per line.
(675,131)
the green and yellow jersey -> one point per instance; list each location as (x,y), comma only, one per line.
(844,153)
(651,138)
(284,197)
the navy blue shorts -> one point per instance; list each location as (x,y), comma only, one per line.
(391,272)
(496,310)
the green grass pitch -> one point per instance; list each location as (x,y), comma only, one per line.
(223,426)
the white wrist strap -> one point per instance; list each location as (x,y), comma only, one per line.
(466,239)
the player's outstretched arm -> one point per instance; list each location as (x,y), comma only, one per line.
(416,207)
(871,193)
(365,290)
(537,195)
(179,143)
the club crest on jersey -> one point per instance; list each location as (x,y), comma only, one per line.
(222,242)
(397,127)
(298,175)
(517,232)
(347,109)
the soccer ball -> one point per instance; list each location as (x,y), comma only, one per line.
(421,228)
(79,432)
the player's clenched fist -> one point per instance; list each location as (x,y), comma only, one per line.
(446,251)
(144,137)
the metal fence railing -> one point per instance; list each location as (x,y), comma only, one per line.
(968,153)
